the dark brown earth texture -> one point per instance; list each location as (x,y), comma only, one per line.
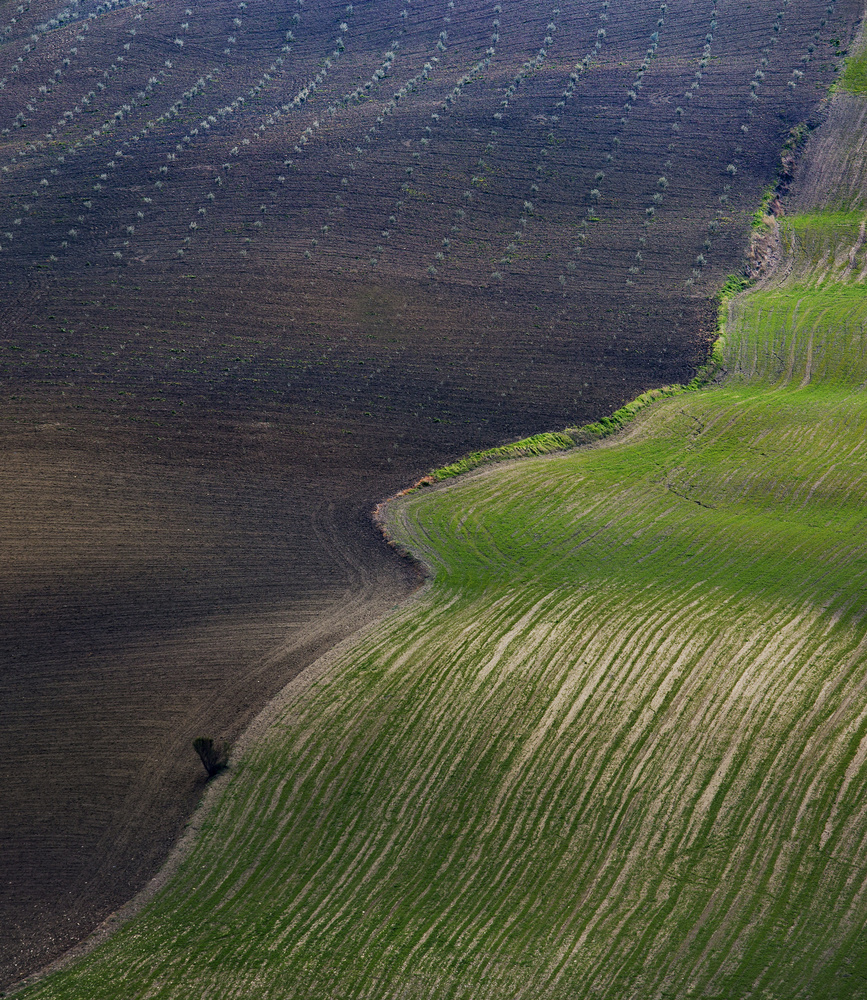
(263,264)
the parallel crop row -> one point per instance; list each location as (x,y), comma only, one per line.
(663,182)
(566,101)
(91,141)
(170,99)
(364,92)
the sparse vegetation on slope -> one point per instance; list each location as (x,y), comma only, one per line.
(617,750)
(855,75)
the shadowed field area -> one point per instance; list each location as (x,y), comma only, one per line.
(617,748)
(265,265)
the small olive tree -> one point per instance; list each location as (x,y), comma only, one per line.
(213,755)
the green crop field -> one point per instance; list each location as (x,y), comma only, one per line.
(616,749)
(855,75)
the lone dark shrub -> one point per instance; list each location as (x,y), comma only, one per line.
(214,756)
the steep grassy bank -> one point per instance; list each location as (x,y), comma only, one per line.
(619,747)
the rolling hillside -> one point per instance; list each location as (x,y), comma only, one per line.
(264,264)
(617,748)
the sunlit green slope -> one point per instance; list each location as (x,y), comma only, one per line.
(618,749)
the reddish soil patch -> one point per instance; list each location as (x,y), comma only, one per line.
(192,441)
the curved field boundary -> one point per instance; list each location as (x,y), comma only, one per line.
(549,442)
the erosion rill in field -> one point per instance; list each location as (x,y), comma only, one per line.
(618,748)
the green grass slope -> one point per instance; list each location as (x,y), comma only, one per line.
(618,748)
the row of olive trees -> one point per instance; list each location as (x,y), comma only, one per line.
(207,122)
(755,89)
(157,125)
(7,29)
(291,106)
(52,82)
(33,37)
(112,120)
(68,116)
(387,108)
(361,94)
(482,170)
(423,144)
(73,14)
(182,106)
(426,143)
(681,111)
(595,193)
(731,168)
(57,74)
(564,101)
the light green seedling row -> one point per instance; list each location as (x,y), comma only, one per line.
(618,747)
